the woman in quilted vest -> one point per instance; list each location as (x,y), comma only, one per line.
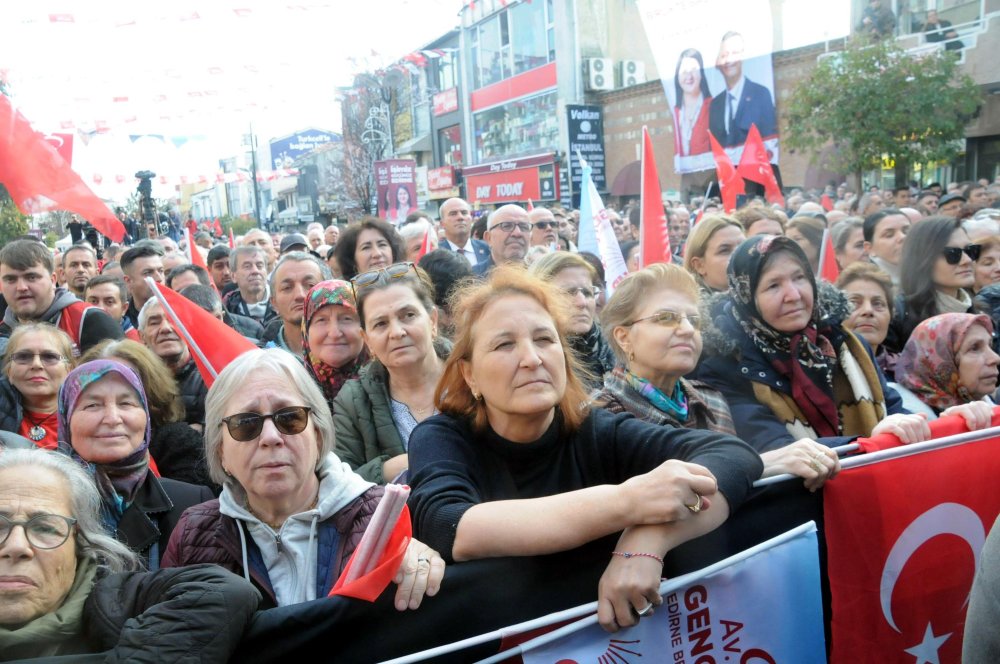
(291,513)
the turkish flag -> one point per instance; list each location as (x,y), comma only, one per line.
(39,179)
(232,241)
(826,202)
(216,227)
(371,585)
(730,182)
(653,219)
(828,268)
(904,538)
(427,246)
(755,165)
(213,344)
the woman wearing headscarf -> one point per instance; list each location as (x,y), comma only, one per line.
(779,353)
(949,362)
(332,345)
(104,424)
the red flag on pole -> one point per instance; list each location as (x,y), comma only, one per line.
(730,182)
(428,244)
(826,202)
(196,257)
(904,538)
(531,206)
(217,227)
(654,241)
(828,268)
(232,240)
(39,179)
(755,165)
(369,586)
(213,344)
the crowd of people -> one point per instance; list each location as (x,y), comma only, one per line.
(488,367)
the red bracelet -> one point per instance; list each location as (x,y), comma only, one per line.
(629,554)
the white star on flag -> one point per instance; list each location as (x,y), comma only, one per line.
(926,651)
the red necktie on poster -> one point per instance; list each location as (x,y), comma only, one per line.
(903,543)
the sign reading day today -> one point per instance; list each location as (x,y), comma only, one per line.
(586,136)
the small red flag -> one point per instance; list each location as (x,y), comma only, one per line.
(828,268)
(730,182)
(232,241)
(213,344)
(428,244)
(755,165)
(39,179)
(531,206)
(217,227)
(654,241)
(371,585)
(904,539)
(826,202)
(196,257)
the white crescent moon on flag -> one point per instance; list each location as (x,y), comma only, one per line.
(54,140)
(943,519)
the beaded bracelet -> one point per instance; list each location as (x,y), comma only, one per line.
(629,554)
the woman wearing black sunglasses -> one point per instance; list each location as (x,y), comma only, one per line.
(936,271)
(291,512)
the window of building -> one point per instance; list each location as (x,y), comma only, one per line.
(515,40)
(518,128)
(450,141)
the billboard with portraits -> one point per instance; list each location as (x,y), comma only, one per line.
(396,189)
(717,74)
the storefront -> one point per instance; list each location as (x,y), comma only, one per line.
(534,178)
(521,127)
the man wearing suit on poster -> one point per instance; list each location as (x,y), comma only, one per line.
(743,102)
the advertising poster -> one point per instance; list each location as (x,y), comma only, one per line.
(717,75)
(396,189)
(586,138)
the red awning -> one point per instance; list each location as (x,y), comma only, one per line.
(628,181)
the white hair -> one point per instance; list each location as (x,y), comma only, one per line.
(147,311)
(414,229)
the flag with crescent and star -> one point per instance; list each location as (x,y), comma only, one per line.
(904,538)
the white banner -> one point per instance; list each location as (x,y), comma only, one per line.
(596,233)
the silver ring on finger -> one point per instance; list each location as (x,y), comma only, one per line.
(645,611)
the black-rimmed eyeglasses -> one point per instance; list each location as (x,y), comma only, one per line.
(244,427)
(43,531)
(953,255)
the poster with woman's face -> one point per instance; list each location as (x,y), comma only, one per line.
(396,189)
(717,75)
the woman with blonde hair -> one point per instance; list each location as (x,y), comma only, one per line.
(38,358)
(707,251)
(518,464)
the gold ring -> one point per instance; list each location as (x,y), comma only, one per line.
(697,506)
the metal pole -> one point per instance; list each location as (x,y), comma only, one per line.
(253,171)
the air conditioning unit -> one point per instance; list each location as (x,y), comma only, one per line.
(597,74)
(631,72)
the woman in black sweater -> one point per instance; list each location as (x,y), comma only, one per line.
(518,465)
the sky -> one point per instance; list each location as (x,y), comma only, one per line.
(199,74)
(173,86)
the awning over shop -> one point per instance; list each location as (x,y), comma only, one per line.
(628,181)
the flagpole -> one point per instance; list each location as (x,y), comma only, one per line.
(180,326)
(898,452)
(642,200)
(822,252)
(667,586)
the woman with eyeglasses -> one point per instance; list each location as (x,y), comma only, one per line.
(291,513)
(519,464)
(937,271)
(375,413)
(575,277)
(104,424)
(789,369)
(35,364)
(653,324)
(68,589)
(368,244)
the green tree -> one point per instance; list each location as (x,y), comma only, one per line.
(12,221)
(875,99)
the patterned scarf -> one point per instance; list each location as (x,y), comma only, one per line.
(806,358)
(928,365)
(675,404)
(118,481)
(330,379)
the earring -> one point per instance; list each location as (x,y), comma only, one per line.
(476,395)
(631,356)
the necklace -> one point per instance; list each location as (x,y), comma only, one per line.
(37,432)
